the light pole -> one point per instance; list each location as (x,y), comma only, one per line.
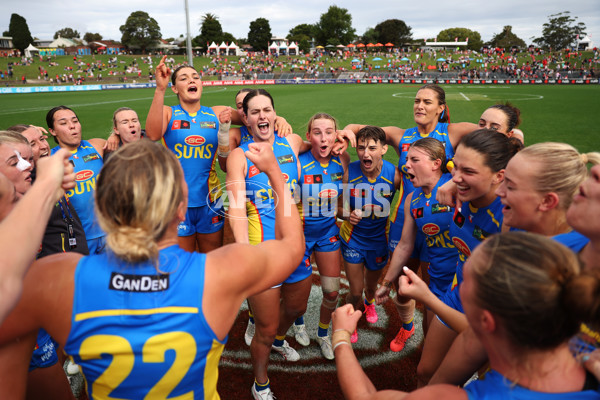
(189,38)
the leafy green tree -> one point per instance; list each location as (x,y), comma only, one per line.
(19,31)
(506,39)
(560,31)
(303,35)
(335,27)
(259,34)
(448,35)
(140,30)
(394,31)
(210,31)
(67,33)
(92,37)
(228,38)
(370,36)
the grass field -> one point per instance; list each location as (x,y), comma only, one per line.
(549,113)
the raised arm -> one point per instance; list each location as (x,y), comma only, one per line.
(223,136)
(236,191)
(23,228)
(355,384)
(159,115)
(238,271)
(393,134)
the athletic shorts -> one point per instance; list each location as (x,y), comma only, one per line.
(395,233)
(303,271)
(438,287)
(44,354)
(373,260)
(326,242)
(203,219)
(452,299)
(96,245)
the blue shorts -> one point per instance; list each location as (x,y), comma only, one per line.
(303,271)
(44,354)
(395,234)
(204,219)
(452,299)
(96,245)
(438,286)
(325,240)
(373,260)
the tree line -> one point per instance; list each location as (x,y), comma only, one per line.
(333,28)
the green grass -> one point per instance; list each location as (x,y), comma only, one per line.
(549,113)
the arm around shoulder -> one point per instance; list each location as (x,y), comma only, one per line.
(99,145)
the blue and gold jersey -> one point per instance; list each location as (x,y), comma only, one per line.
(245,135)
(260,201)
(374,199)
(138,333)
(433,224)
(87,163)
(469,228)
(320,187)
(193,139)
(410,136)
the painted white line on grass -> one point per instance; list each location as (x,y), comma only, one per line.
(33,109)
(463,95)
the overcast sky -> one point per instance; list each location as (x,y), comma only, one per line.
(426,18)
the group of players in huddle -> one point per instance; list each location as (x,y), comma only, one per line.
(455,185)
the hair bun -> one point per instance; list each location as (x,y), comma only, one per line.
(584,158)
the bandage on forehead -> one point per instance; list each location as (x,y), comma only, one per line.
(22,164)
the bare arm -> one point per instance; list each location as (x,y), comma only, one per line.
(236,191)
(282,127)
(252,269)
(458,130)
(112,142)
(159,115)
(99,145)
(401,254)
(410,285)
(393,134)
(465,356)
(28,316)
(22,229)
(355,384)
(343,208)
(224,138)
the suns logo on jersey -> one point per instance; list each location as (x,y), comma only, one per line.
(194,140)
(84,175)
(328,193)
(430,229)
(461,246)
